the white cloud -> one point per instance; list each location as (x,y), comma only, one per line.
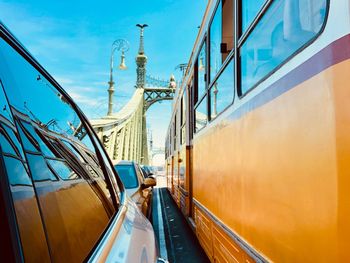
(64,80)
(85,89)
(99,83)
(81,99)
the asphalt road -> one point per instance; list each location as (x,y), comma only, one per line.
(177,242)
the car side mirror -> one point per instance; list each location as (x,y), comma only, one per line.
(149,182)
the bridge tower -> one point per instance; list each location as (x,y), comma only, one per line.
(141,60)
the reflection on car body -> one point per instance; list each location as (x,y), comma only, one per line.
(60,198)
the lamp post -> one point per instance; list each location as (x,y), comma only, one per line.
(123,46)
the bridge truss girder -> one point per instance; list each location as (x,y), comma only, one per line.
(152,95)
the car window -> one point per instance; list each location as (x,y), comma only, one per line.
(128,175)
(139,173)
(73,202)
(26,209)
(144,173)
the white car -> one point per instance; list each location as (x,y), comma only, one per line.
(137,186)
(60,198)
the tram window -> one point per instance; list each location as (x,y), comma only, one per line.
(285,27)
(175,132)
(201,73)
(33,97)
(222,91)
(250,9)
(183,120)
(183,135)
(182,111)
(200,115)
(221,36)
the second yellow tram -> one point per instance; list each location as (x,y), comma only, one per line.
(258,147)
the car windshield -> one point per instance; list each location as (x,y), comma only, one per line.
(128,175)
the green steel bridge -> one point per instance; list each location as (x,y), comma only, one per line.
(124,133)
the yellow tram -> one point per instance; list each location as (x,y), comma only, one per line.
(258,147)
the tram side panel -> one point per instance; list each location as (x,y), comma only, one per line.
(279,172)
(270,175)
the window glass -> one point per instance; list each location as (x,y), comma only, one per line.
(183,135)
(128,175)
(36,140)
(71,209)
(62,170)
(109,167)
(139,173)
(182,116)
(215,42)
(201,118)
(91,171)
(221,36)
(17,169)
(184,99)
(27,211)
(285,27)
(38,168)
(6,145)
(227,27)
(222,91)
(14,139)
(28,141)
(25,204)
(202,65)
(73,150)
(250,8)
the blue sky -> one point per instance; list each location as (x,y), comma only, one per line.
(72,40)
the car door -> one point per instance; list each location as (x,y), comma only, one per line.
(73,208)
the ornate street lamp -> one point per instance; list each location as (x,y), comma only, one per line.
(118,45)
